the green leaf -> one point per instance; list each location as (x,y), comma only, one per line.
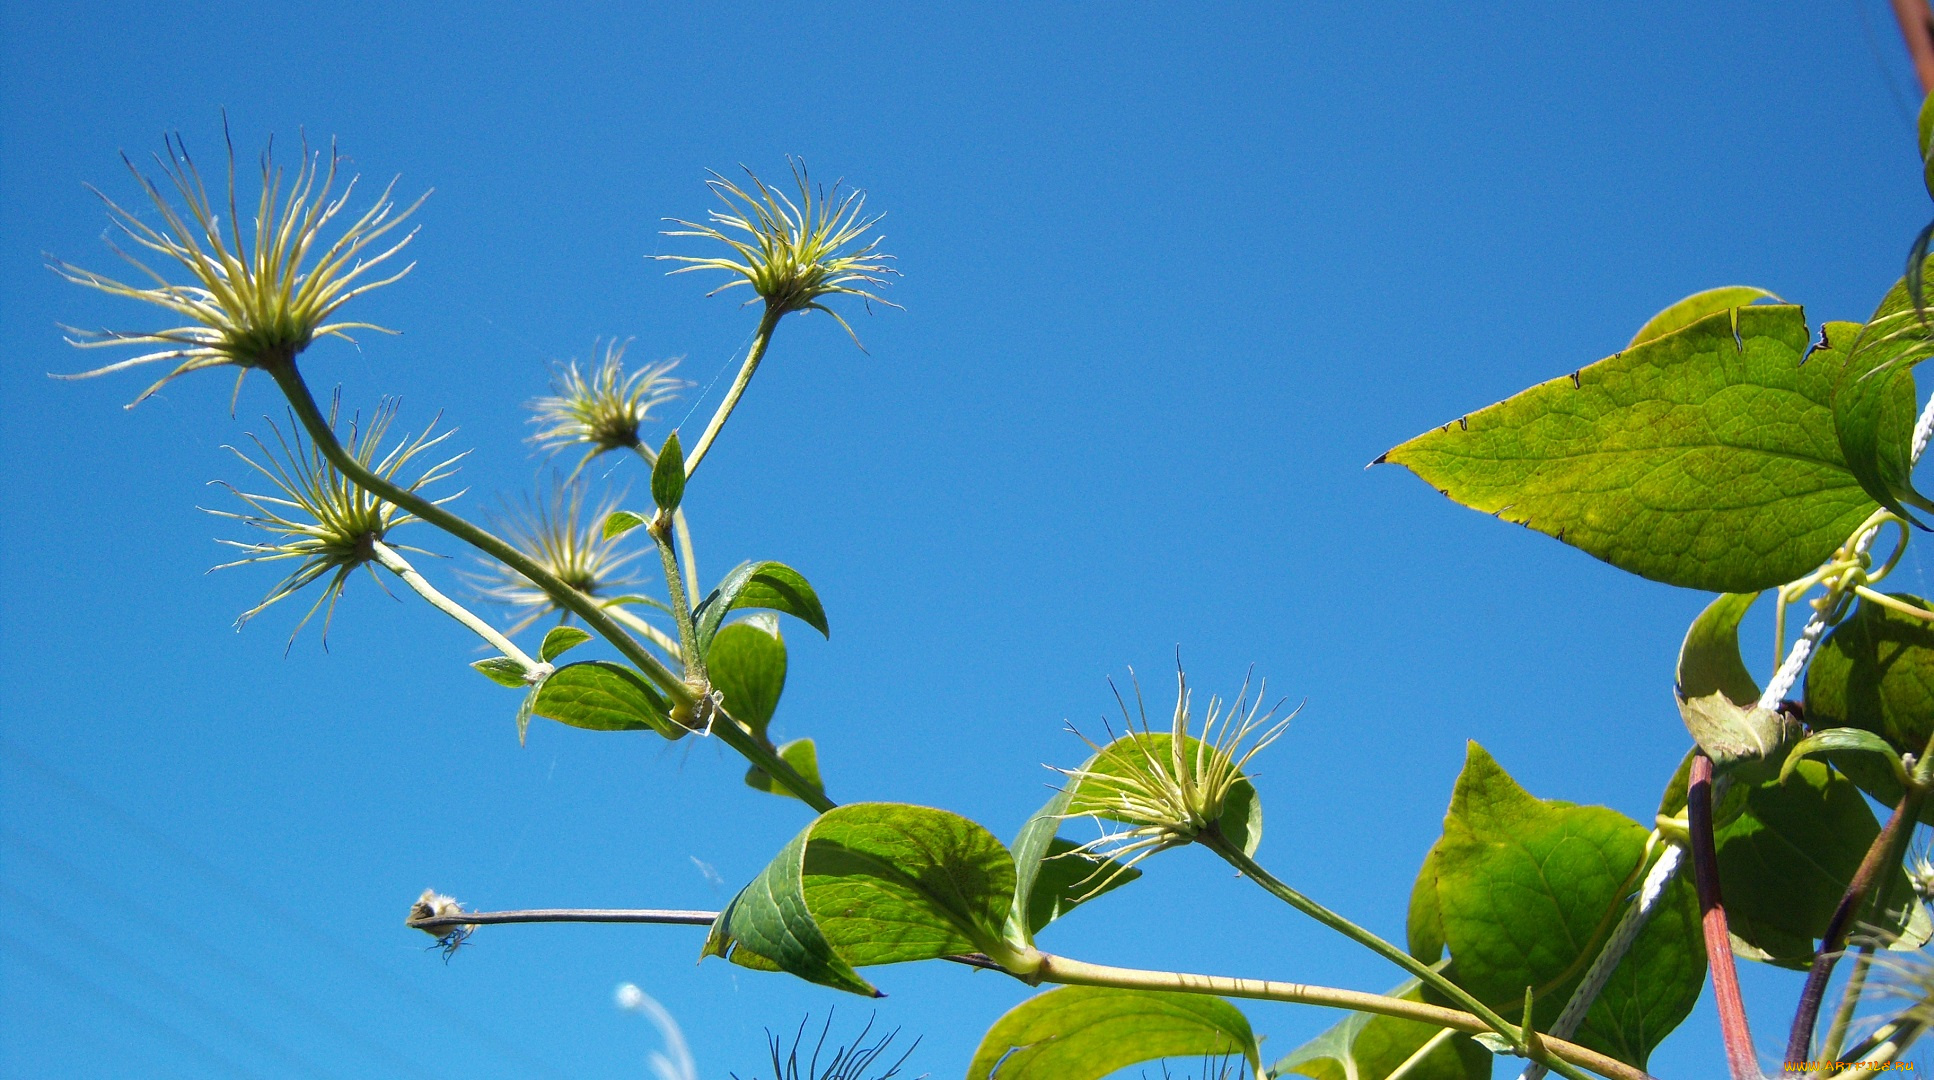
(1706,458)
(603,696)
(503,671)
(1873,398)
(1840,744)
(619,522)
(769,585)
(1696,307)
(803,756)
(1068,878)
(1785,862)
(559,641)
(1527,892)
(1365,1046)
(525,709)
(1088,1032)
(1709,660)
(870,883)
(747,663)
(1875,672)
(668,475)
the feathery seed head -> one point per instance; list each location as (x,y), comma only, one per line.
(603,408)
(245,305)
(319,517)
(555,531)
(792,253)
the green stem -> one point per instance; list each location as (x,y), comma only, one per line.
(735,735)
(396,564)
(1430,976)
(685,553)
(1562,1057)
(1415,1061)
(768,322)
(1849,1000)
(689,653)
(647,631)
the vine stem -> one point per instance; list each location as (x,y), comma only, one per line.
(1740,1057)
(768,322)
(1917,28)
(734,734)
(396,564)
(1430,976)
(1836,1039)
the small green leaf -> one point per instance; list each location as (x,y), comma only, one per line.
(1696,307)
(602,696)
(769,585)
(1088,1032)
(559,641)
(1706,458)
(1785,862)
(668,475)
(1365,1046)
(870,883)
(619,522)
(1527,892)
(1709,659)
(503,671)
(1837,744)
(525,708)
(803,756)
(1873,398)
(747,663)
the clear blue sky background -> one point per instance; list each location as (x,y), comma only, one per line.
(1172,277)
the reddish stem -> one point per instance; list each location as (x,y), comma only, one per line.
(1719,947)
(1917,27)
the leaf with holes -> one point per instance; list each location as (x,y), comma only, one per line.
(1088,1032)
(1706,458)
(870,883)
(1525,891)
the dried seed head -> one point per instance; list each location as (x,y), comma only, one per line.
(245,305)
(555,532)
(435,905)
(603,408)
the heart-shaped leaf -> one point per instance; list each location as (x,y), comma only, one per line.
(602,696)
(871,883)
(1524,892)
(1706,458)
(1088,1032)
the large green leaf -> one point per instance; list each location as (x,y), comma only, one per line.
(1705,458)
(1875,671)
(1070,877)
(1709,660)
(1787,859)
(1088,1032)
(747,663)
(870,883)
(603,696)
(1366,1046)
(768,585)
(1696,307)
(1873,400)
(1527,891)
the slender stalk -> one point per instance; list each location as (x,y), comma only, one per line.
(1719,947)
(1415,1061)
(1917,28)
(667,916)
(399,566)
(646,630)
(768,322)
(1429,975)
(594,615)
(1888,1042)
(1564,1058)
(689,653)
(1836,1039)
(1882,856)
(685,553)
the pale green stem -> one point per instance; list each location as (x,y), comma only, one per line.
(399,566)
(1429,975)
(1415,1061)
(1564,1058)
(1849,1000)
(768,322)
(735,734)
(647,631)
(689,653)
(685,553)
(1889,1042)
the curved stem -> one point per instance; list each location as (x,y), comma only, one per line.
(1740,1057)
(735,735)
(768,322)
(1429,975)
(399,566)
(1836,1039)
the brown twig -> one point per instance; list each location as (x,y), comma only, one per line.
(1740,1057)
(1917,28)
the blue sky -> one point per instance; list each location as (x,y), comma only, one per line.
(1171,278)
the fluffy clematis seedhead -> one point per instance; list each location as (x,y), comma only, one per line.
(251,301)
(604,408)
(555,531)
